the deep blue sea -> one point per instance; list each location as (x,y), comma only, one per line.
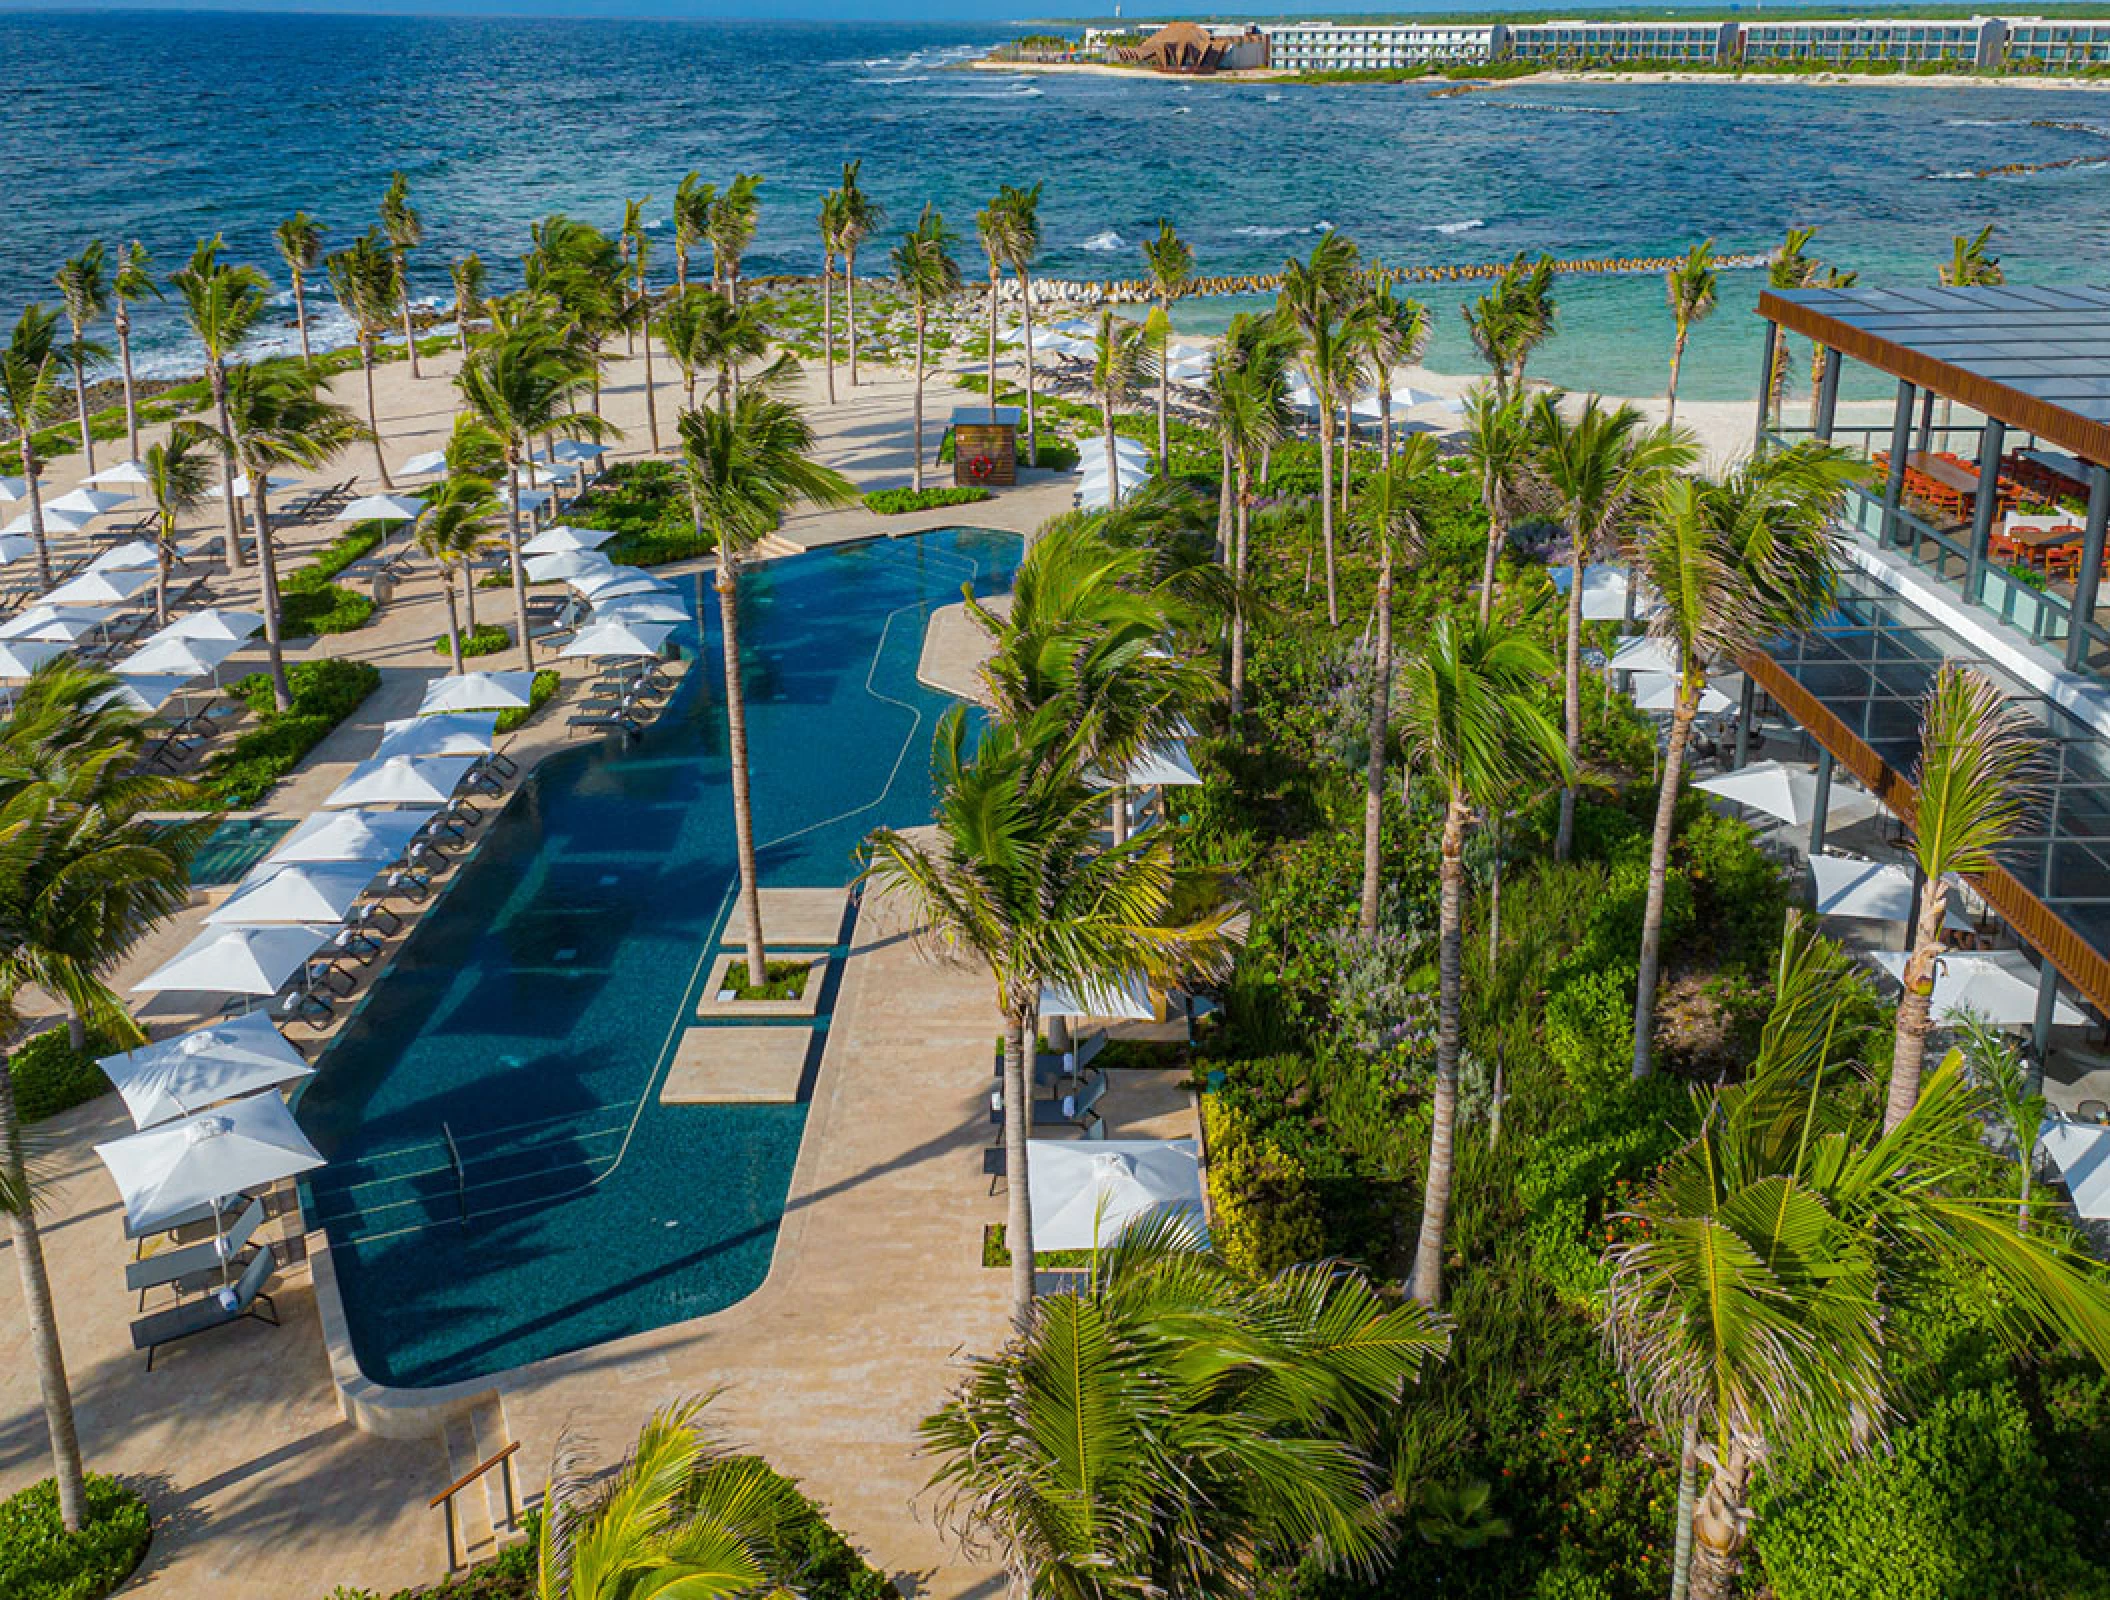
(169,126)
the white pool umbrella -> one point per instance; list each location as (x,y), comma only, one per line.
(12,489)
(185,1074)
(603,640)
(1086,1192)
(1658,691)
(1125,1000)
(1093,448)
(134,555)
(530,499)
(382,508)
(63,623)
(293,891)
(1873,891)
(375,837)
(574,450)
(453,733)
(1604,592)
(554,541)
(145,695)
(621,581)
(21,657)
(1999,986)
(2081,1152)
(273,484)
(1162,766)
(643,608)
(1643,653)
(566,565)
(400,780)
(424,466)
(54,522)
(181,1166)
(215,622)
(121,475)
(478,691)
(1790,793)
(13,547)
(550,474)
(237,961)
(177,658)
(99,589)
(89,502)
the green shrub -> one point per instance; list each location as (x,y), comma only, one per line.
(647,507)
(52,1076)
(1590,1027)
(1740,894)
(897,502)
(1570,1185)
(1266,1215)
(485,639)
(335,556)
(540,692)
(324,694)
(40,1560)
(310,605)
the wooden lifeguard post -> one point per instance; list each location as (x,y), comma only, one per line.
(985,447)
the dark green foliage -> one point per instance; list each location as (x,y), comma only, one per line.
(310,605)
(648,508)
(897,502)
(52,1076)
(541,690)
(783,980)
(39,1560)
(324,693)
(1267,1214)
(485,639)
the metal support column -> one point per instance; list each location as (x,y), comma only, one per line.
(1989,447)
(1926,421)
(2090,577)
(1765,387)
(1823,803)
(2047,1005)
(1828,394)
(1894,480)
(1744,712)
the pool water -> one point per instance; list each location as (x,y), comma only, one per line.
(503,1182)
(227,853)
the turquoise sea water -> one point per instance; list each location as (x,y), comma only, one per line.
(170,126)
(531,1017)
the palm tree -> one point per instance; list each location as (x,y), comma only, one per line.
(685,327)
(1753,1299)
(1249,397)
(1792,268)
(831,227)
(222,304)
(29,381)
(1473,721)
(84,287)
(1180,1428)
(1023,240)
(1743,559)
(1512,320)
(579,271)
(1979,763)
(1121,365)
(1595,468)
(927,273)
(1313,298)
(1972,264)
(721,336)
(1500,450)
(731,230)
(460,523)
(299,241)
(992,225)
(367,282)
(746,467)
(1690,287)
(1389,515)
(277,417)
(1015,880)
(1169,260)
(406,231)
(469,279)
(862,216)
(178,477)
(83,877)
(1394,332)
(693,200)
(134,280)
(639,246)
(524,384)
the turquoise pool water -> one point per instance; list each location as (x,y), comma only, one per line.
(531,1017)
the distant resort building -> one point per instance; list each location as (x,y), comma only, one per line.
(1375,47)
(1965,42)
(1575,43)
(2057,45)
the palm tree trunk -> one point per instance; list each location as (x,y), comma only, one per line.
(123,320)
(1117,795)
(918,476)
(1347,473)
(1677,359)
(1165,392)
(651,394)
(1910,1050)
(36,511)
(218,373)
(454,626)
(728,582)
(410,338)
(850,308)
(80,400)
(162,565)
(373,411)
(1497,536)
(267,591)
(993,282)
(42,1317)
(828,320)
(1688,1492)
(1223,504)
(1113,467)
(300,316)
(1380,725)
(1721,1522)
(520,611)
(1333,607)
(468,576)
(1018,1210)
(1571,702)
(1426,1286)
(1238,563)
(461,325)
(1025,313)
(1384,419)
(1690,687)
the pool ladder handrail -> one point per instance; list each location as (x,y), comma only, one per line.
(503,1460)
(461,1173)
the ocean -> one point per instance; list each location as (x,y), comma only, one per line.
(172,126)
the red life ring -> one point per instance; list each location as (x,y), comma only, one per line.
(981,469)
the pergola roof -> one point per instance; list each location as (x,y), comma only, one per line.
(2036,358)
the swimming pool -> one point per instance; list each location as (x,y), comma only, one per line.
(504,1184)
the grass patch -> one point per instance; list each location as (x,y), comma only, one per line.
(540,693)
(310,605)
(324,694)
(645,505)
(786,980)
(485,639)
(40,1560)
(896,502)
(996,1253)
(52,1076)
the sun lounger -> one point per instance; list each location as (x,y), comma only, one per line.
(192,1264)
(247,1299)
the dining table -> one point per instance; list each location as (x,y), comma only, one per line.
(2041,531)
(1946,473)
(2061,465)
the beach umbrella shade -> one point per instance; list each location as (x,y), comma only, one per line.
(424,466)
(121,475)
(98,589)
(478,691)
(1085,1193)
(1604,592)
(573,450)
(179,1167)
(565,565)
(375,837)
(273,483)
(400,781)
(558,540)
(294,891)
(54,522)
(179,1076)
(237,961)
(1094,448)
(21,657)
(89,502)
(13,489)
(1873,891)
(383,508)
(1790,793)
(2081,1152)
(215,622)
(620,581)
(1124,1000)
(1644,653)
(1161,766)
(1996,986)
(177,658)
(643,608)
(63,623)
(452,733)
(603,640)
(1658,691)
(145,695)
(530,499)
(134,555)
(550,474)
(13,547)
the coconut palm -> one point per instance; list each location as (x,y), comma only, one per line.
(1315,295)
(1595,466)
(862,216)
(299,241)
(526,383)
(731,230)
(1971,263)
(178,478)
(693,199)
(638,244)
(1690,288)
(1473,721)
(1023,239)
(469,278)
(831,227)
(1249,398)
(1178,1427)
(992,225)
(1732,561)
(460,523)
(366,280)
(1792,267)
(1122,362)
(1500,449)
(1394,332)
(1979,765)
(133,280)
(84,289)
(406,231)
(579,271)
(683,325)
(223,303)
(83,876)
(1512,320)
(719,335)
(29,382)
(745,468)
(277,416)
(1168,261)
(925,269)
(1754,1296)
(1016,881)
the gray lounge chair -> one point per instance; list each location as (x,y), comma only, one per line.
(199,1316)
(193,1265)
